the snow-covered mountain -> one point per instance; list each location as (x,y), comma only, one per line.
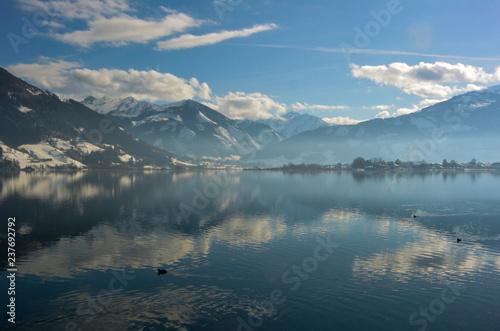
(40,129)
(262,133)
(173,129)
(127,107)
(293,123)
(186,127)
(466,126)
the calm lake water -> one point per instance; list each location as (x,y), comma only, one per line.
(254,250)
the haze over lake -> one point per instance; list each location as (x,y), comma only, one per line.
(262,250)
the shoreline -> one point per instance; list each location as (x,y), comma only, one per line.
(284,170)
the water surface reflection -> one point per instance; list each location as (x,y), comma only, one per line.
(76,229)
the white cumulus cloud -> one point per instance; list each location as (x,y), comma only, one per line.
(124,29)
(240,105)
(113,23)
(414,108)
(204,90)
(406,111)
(428,80)
(190,41)
(71,80)
(383,114)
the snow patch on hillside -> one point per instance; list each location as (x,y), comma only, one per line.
(48,155)
(24,109)
(41,155)
(162,117)
(13,154)
(126,158)
(482,104)
(88,148)
(52,153)
(62,144)
(127,107)
(35,92)
(203,119)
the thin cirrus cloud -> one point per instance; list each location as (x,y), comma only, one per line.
(190,41)
(71,80)
(125,29)
(366,51)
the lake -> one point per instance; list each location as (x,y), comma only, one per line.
(253,250)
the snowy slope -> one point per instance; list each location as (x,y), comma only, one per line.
(294,123)
(41,155)
(186,127)
(127,107)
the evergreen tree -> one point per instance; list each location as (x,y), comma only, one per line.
(359,163)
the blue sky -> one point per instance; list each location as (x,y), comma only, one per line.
(341,60)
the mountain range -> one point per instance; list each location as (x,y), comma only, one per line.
(185,128)
(39,128)
(193,129)
(463,127)
(293,123)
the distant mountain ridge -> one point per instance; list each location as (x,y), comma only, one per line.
(293,123)
(464,127)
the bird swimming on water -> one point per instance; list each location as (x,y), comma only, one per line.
(415,216)
(459,240)
(162,272)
